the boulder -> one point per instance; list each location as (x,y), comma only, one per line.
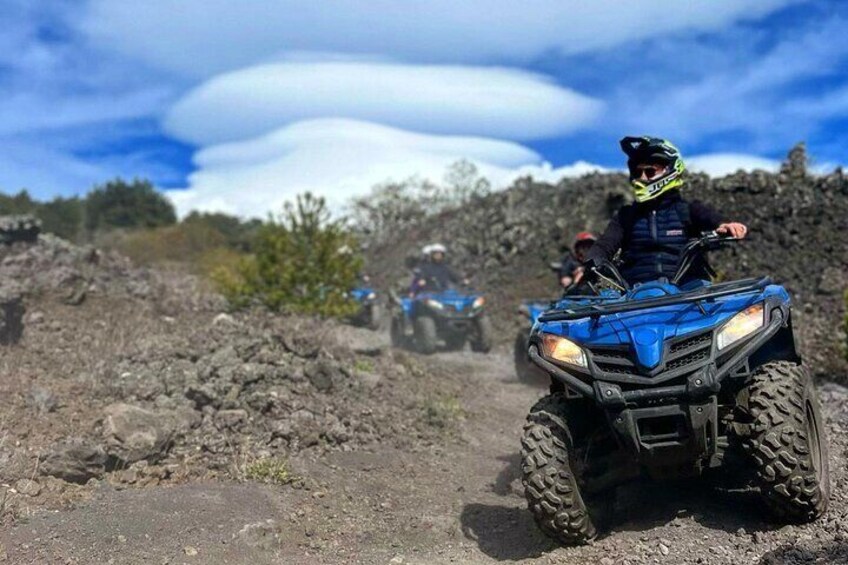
(133,433)
(74,460)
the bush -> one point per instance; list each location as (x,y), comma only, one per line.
(302,262)
(179,243)
(270,470)
(119,204)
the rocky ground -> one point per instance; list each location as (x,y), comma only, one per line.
(140,423)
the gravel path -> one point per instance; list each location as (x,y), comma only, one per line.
(459,502)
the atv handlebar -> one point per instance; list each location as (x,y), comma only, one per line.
(708,241)
(605,270)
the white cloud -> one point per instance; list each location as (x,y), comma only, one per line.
(456,100)
(201,38)
(340,159)
(758,96)
(720,164)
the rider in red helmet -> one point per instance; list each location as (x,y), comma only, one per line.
(571,271)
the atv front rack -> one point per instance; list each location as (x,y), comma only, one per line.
(743,286)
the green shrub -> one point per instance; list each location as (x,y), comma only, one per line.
(301,262)
(443,411)
(270,470)
(121,204)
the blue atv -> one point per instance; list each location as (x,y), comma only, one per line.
(529,311)
(449,316)
(370,314)
(669,381)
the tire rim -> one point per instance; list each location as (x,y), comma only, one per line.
(813,439)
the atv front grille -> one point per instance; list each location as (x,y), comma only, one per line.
(680,356)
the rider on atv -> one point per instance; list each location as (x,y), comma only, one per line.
(433,274)
(652,231)
(571,269)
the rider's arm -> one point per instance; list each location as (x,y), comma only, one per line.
(610,241)
(704,217)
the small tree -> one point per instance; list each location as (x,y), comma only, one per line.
(394,206)
(463,182)
(302,262)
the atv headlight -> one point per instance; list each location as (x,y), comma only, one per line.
(478,302)
(563,350)
(741,325)
(435,304)
(371,296)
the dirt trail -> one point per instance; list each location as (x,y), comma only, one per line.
(460,502)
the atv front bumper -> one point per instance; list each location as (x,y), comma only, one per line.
(704,381)
(667,425)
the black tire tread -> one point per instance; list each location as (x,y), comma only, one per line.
(550,486)
(778,444)
(425,334)
(481,341)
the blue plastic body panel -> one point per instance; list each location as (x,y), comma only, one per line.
(361,294)
(647,330)
(458,301)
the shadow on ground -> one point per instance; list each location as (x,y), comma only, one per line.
(644,505)
(791,554)
(511,472)
(504,533)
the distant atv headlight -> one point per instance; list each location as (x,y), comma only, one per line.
(434,304)
(741,325)
(371,296)
(478,302)
(563,350)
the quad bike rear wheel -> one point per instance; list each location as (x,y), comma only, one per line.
(375,317)
(783,436)
(551,484)
(481,341)
(426,338)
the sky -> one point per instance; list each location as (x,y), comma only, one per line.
(239,106)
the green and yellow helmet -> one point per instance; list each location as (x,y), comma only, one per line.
(646,149)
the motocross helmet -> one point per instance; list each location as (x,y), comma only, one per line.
(645,149)
(584,237)
(433,248)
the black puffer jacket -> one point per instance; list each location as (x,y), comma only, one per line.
(652,234)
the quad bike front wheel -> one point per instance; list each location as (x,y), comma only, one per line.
(426,338)
(396,333)
(551,484)
(783,436)
(481,341)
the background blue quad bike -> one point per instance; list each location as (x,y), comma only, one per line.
(452,317)
(370,314)
(669,381)
(529,311)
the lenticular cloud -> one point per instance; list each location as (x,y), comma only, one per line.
(335,158)
(450,100)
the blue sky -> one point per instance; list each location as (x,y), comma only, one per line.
(237,106)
